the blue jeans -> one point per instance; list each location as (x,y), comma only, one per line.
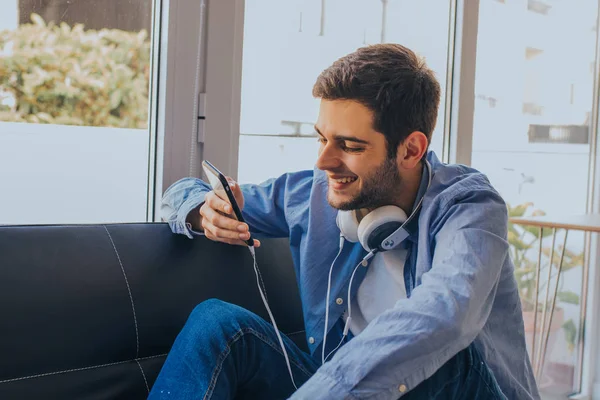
(226,352)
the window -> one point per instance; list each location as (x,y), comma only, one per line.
(534,144)
(74,111)
(286,46)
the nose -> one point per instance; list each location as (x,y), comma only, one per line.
(328,159)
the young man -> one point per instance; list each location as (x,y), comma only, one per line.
(437,317)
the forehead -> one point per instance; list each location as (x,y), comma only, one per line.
(344,116)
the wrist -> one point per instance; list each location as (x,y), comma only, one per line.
(195,219)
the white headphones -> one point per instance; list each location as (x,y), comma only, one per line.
(373,229)
(383,228)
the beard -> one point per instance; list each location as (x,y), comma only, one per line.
(379,188)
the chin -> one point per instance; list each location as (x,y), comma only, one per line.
(340,202)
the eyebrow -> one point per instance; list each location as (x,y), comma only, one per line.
(344,138)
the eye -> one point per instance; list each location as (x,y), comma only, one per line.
(351,149)
(321,140)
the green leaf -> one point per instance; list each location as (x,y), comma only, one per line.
(570,333)
(37,20)
(568,297)
(115,99)
(511,228)
(519,210)
(518,244)
(45,117)
(535,231)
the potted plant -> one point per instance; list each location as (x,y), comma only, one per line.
(524,250)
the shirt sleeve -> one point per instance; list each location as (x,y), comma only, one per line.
(264,204)
(405,345)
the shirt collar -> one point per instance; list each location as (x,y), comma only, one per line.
(423,186)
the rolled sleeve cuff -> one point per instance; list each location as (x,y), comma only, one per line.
(321,386)
(180,225)
(193,232)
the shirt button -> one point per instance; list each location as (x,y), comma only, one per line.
(311,340)
(339,301)
(402,388)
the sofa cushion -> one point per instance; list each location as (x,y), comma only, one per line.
(90,311)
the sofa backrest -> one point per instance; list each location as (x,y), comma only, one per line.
(90,312)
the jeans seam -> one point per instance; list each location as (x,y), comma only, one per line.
(219,366)
(294,333)
(452,381)
(227,350)
(277,349)
(494,391)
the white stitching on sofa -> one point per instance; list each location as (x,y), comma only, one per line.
(82,369)
(137,338)
(144,375)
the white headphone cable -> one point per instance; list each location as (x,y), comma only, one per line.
(341,247)
(263,296)
(347,324)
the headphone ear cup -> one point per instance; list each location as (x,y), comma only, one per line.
(348,225)
(376,238)
(378,225)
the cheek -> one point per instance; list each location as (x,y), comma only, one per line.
(360,168)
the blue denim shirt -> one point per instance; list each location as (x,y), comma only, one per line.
(458,274)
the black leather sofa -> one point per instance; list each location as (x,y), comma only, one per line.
(90,312)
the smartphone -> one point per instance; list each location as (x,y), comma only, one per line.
(221,187)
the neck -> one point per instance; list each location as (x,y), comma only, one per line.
(410,188)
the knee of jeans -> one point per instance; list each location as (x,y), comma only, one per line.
(213,313)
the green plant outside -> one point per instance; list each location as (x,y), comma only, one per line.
(71,76)
(524,239)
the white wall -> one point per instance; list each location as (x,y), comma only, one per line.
(70,174)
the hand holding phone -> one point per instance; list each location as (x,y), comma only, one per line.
(221,213)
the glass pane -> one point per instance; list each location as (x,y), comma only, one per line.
(532,139)
(74,136)
(285,154)
(288,43)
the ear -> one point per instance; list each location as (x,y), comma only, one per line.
(412,149)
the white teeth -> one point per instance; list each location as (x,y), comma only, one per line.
(345,180)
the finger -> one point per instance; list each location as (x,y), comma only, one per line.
(220,233)
(217,203)
(234,242)
(222,221)
(227,241)
(230,241)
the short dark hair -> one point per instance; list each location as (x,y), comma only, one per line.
(393,82)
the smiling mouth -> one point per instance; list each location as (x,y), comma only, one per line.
(346,179)
(341,183)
